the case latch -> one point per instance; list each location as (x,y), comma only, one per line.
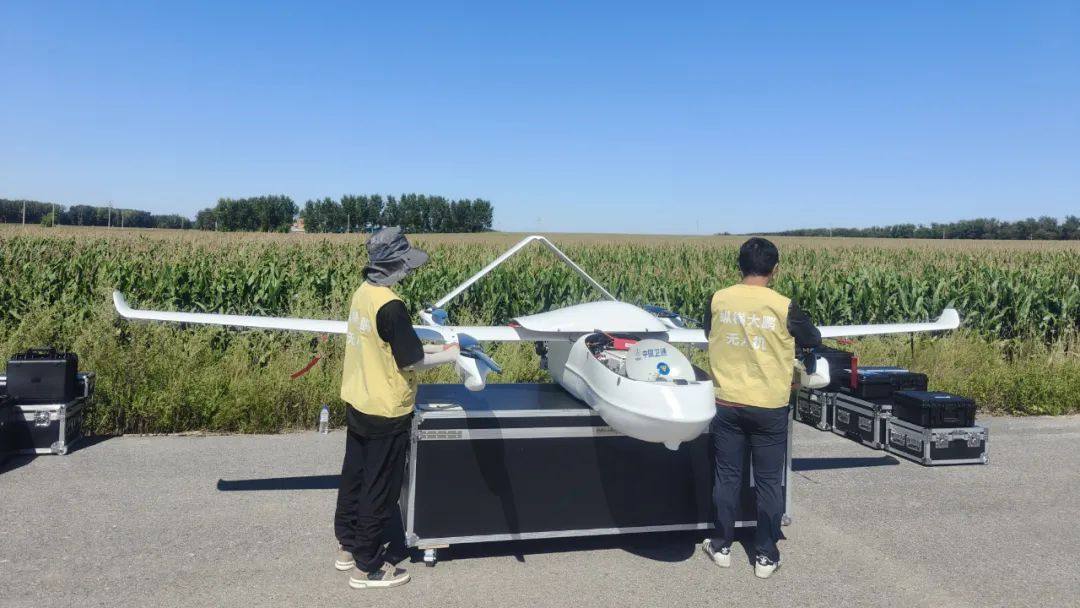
(941,441)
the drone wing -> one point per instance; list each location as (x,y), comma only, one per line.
(321,326)
(949,319)
(537,331)
(312,325)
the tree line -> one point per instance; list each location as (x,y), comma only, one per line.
(271,213)
(1044,228)
(276,213)
(413,212)
(37,212)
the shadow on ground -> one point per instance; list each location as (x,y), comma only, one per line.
(17,461)
(665,547)
(823,464)
(307,482)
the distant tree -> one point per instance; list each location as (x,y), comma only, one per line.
(206,220)
(255,214)
(1043,228)
(391,213)
(175,222)
(1070,228)
(326,215)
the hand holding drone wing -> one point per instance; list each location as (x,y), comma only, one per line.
(474,364)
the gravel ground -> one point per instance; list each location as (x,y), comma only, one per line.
(155,521)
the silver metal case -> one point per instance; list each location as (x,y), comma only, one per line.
(933,447)
(814,408)
(51,428)
(863,421)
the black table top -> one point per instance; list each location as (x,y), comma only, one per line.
(523,396)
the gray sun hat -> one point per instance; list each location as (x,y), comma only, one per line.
(391,257)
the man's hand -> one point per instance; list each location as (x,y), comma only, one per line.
(430,349)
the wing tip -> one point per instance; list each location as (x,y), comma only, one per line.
(950,318)
(120,303)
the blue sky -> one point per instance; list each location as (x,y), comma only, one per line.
(613,117)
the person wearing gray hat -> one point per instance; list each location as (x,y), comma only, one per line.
(382,356)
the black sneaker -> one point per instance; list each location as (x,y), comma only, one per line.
(386,576)
(764,567)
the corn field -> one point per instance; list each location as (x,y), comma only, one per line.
(1023,301)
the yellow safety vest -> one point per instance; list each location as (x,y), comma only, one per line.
(751,352)
(371,381)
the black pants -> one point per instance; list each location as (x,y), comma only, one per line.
(765,431)
(367,499)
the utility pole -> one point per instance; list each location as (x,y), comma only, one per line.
(109,212)
(348,223)
(121,218)
(24,213)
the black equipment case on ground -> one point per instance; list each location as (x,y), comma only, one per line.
(940,446)
(814,407)
(880,383)
(527,461)
(48,428)
(863,421)
(41,376)
(5,437)
(932,409)
(839,360)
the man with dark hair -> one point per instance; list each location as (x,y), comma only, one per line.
(382,355)
(753,333)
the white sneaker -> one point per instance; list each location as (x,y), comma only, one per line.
(344,561)
(764,567)
(386,576)
(720,557)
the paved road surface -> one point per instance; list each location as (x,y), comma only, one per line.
(148,521)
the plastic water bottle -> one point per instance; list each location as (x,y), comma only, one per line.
(324,419)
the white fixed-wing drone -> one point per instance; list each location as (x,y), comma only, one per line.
(615,356)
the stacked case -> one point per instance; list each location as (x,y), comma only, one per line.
(46,400)
(935,428)
(862,407)
(890,408)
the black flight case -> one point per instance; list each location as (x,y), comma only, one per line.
(878,384)
(47,428)
(935,428)
(839,361)
(43,375)
(528,461)
(861,420)
(934,409)
(5,437)
(937,446)
(814,407)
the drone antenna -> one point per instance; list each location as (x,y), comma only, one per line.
(508,254)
